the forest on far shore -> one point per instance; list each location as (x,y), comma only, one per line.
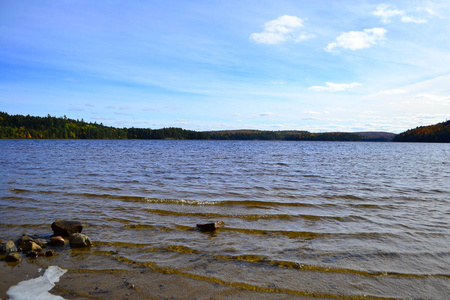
(438,133)
(30,127)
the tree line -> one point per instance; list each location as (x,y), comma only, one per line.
(30,127)
(283,135)
(438,133)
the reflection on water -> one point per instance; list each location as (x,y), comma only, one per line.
(303,218)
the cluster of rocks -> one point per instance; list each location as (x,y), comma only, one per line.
(34,247)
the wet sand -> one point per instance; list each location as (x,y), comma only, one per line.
(136,282)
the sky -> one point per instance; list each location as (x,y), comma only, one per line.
(320,65)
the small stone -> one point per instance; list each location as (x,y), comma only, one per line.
(32,254)
(210,226)
(77,240)
(66,228)
(13,257)
(41,242)
(31,246)
(57,241)
(23,240)
(50,253)
(8,247)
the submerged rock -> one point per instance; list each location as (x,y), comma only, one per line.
(31,247)
(13,257)
(77,240)
(57,241)
(8,247)
(66,228)
(210,226)
(32,254)
(50,253)
(41,242)
(23,240)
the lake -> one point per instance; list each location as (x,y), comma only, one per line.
(303,219)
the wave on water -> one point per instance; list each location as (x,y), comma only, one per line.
(338,220)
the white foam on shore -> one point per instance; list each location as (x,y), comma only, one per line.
(37,288)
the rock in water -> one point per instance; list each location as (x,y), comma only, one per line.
(13,257)
(210,226)
(41,242)
(57,241)
(77,240)
(23,240)
(8,247)
(32,254)
(66,228)
(31,247)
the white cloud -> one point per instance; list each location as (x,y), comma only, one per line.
(431,8)
(392,92)
(412,20)
(280,30)
(335,87)
(384,12)
(266,114)
(311,112)
(434,97)
(355,40)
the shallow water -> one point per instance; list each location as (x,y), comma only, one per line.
(319,219)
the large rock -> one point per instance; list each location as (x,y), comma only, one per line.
(8,247)
(66,228)
(77,240)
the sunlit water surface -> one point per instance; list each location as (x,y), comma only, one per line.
(325,219)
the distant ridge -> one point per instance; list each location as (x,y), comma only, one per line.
(377,136)
(438,133)
(296,135)
(29,127)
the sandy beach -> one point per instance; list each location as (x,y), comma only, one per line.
(136,282)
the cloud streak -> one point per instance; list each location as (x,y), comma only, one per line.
(412,20)
(335,87)
(386,12)
(391,92)
(282,29)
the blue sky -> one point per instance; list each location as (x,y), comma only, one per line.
(213,65)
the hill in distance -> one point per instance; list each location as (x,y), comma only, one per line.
(29,127)
(438,133)
(293,135)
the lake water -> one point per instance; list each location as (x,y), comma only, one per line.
(319,219)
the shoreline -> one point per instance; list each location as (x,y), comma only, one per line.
(134,282)
(93,273)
